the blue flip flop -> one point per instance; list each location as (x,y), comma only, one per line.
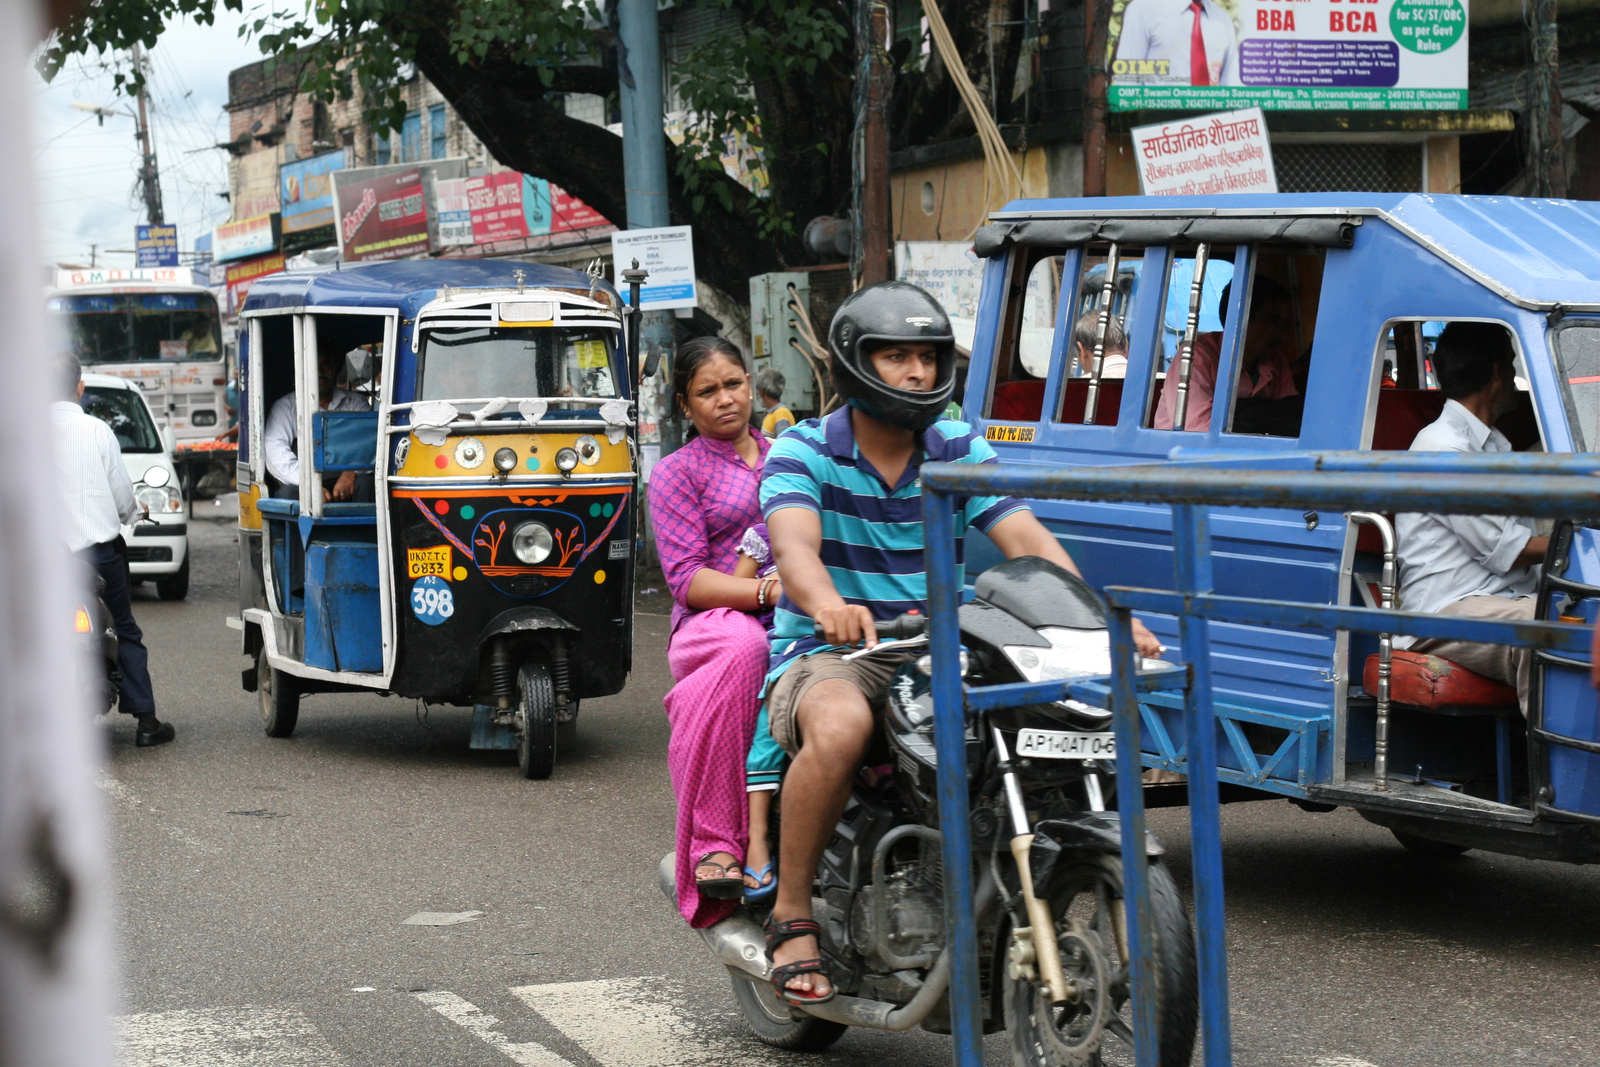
(762,893)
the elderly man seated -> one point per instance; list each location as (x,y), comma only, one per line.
(1479,566)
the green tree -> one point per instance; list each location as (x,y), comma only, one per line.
(784,82)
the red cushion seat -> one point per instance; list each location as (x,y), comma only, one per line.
(1435,684)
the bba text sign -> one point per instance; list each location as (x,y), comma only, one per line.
(668,254)
(1291,55)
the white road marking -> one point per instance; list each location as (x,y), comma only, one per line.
(633,1022)
(224,1037)
(485,1027)
(1340,1061)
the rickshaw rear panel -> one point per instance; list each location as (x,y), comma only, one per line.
(1293,717)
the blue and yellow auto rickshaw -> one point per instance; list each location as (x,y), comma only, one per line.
(461,527)
(1442,757)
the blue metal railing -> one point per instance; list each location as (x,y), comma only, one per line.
(1535,486)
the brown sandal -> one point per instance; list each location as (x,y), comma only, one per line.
(725,886)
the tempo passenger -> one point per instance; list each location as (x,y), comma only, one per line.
(1266,370)
(1478,566)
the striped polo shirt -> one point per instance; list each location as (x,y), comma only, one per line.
(872,539)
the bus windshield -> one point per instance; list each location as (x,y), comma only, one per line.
(461,363)
(123,410)
(141,327)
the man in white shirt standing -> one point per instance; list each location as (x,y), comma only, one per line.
(283,431)
(1479,566)
(97,498)
(1177,42)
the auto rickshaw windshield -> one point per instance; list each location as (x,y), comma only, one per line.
(515,361)
(1578,350)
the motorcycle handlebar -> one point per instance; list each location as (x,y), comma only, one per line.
(904,627)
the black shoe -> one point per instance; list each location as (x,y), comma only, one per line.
(153,731)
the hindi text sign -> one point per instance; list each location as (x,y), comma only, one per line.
(1223,153)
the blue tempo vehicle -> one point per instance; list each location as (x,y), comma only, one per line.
(1371,279)
(486,555)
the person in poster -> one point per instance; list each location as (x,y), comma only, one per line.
(1176,42)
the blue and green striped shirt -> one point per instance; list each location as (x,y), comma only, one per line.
(872,537)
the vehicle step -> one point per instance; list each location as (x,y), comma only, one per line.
(1404,795)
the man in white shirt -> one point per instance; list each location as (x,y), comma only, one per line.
(97,499)
(1177,42)
(283,431)
(1480,566)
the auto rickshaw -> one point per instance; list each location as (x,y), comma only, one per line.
(484,554)
(1442,757)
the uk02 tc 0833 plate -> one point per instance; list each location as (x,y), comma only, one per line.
(1065,744)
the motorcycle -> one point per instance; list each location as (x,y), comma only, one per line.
(1046,847)
(97,637)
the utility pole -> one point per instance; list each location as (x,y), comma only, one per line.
(1096,30)
(1546,148)
(871,259)
(149,176)
(644,177)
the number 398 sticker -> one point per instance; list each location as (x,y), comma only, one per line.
(432,601)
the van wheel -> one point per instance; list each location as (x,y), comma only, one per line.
(1428,849)
(175,586)
(279,694)
(536,722)
(774,1024)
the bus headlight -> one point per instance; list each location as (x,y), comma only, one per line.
(531,542)
(566,459)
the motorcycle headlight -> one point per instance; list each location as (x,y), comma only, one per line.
(566,459)
(531,542)
(156,476)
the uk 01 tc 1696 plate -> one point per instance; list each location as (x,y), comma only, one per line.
(1064,744)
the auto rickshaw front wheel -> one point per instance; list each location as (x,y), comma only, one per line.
(536,722)
(279,696)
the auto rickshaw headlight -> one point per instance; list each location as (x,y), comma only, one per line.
(531,542)
(505,460)
(566,459)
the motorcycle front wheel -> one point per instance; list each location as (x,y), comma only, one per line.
(774,1024)
(1085,897)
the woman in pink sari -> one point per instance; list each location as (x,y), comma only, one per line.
(702,499)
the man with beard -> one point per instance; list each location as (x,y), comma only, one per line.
(1478,566)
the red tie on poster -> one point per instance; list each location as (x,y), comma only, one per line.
(1199,69)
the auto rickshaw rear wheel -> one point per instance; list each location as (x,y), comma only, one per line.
(279,696)
(536,722)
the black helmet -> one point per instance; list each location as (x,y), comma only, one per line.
(881,314)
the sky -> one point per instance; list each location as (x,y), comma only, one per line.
(86,173)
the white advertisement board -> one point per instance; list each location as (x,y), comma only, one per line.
(453,212)
(1223,153)
(668,254)
(1296,55)
(952,273)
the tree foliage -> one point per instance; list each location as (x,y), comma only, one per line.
(782,82)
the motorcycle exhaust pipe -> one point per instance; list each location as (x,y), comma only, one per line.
(737,942)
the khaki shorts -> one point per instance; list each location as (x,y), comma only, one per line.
(870,674)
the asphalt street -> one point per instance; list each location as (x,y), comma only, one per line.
(264,885)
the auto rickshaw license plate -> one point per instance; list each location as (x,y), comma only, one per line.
(421,562)
(1063,744)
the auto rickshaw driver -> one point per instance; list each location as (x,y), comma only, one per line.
(282,432)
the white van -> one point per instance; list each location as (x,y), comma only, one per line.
(157,551)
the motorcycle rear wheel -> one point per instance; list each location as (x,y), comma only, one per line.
(1086,892)
(774,1024)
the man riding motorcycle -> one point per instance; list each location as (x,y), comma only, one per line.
(842,500)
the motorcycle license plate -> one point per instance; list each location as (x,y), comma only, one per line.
(1064,744)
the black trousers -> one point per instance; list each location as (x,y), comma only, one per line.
(110,561)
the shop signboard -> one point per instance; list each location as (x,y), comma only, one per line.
(241,276)
(156,246)
(509,206)
(305,188)
(952,274)
(1223,153)
(453,212)
(668,254)
(568,213)
(244,238)
(381,216)
(1290,55)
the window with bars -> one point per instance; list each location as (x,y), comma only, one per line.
(1347,167)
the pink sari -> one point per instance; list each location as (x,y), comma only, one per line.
(702,499)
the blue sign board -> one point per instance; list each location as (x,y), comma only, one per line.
(156,246)
(305,190)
